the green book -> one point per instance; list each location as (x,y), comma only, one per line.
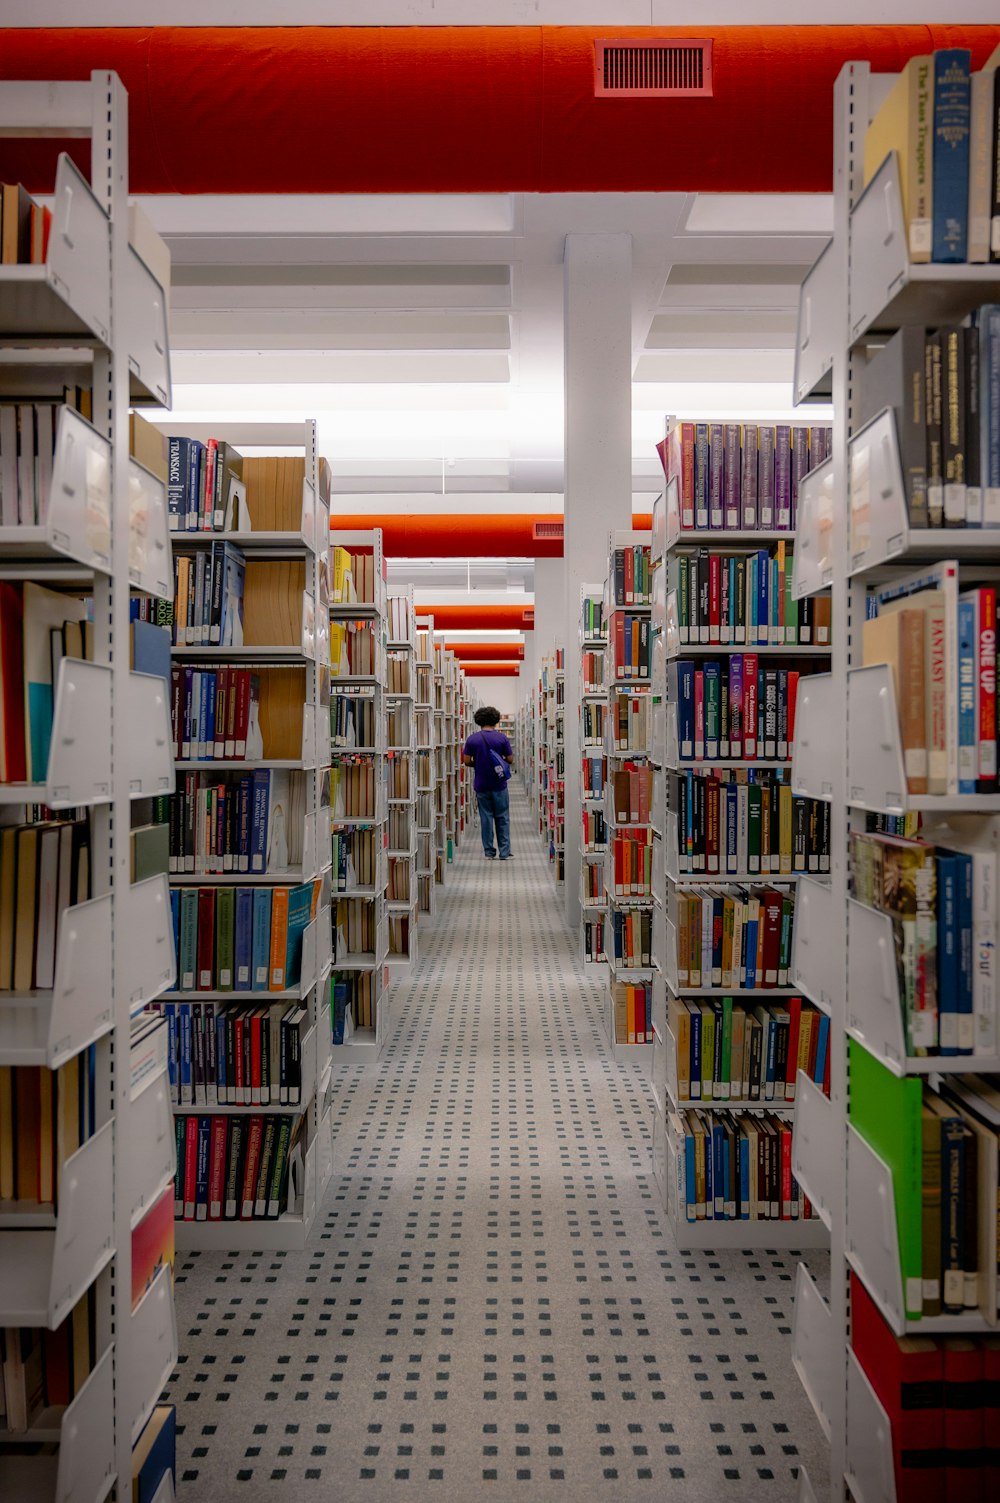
(225,936)
(886,1111)
(726,1073)
(791,607)
(150,851)
(188,940)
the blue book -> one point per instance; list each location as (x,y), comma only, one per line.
(221,1066)
(763,597)
(732,830)
(988,322)
(770,1055)
(211,680)
(685,708)
(822,1044)
(968,747)
(718,1169)
(175,925)
(201,1174)
(300,904)
(244,940)
(947,952)
(150,649)
(744,1177)
(170,1013)
(695,1053)
(260,796)
(750,950)
(950,171)
(712,702)
(155,1454)
(340,1000)
(261,946)
(690,1180)
(186,1080)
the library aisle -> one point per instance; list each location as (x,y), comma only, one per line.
(491,1295)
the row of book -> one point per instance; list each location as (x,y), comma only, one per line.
(352,1000)
(726,1051)
(734,477)
(632,1010)
(631,644)
(235,1168)
(398,886)
(592,723)
(397,677)
(401,623)
(354,649)
(353,581)
(593,939)
(592,666)
(631,789)
(353,789)
(215,714)
(398,929)
(628,724)
(45,1116)
(941,1396)
(44,870)
(205,486)
(397,724)
(942,121)
(632,937)
(595,830)
(942,386)
(593,771)
(746,599)
(354,927)
(399,831)
(27,454)
(399,777)
(24,227)
(942,900)
(236,822)
(353,721)
(736,709)
(235,1055)
(736,1167)
(941,645)
(208,596)
(630,578)
(241,939)
(592,614)
(425,728)
(355,859)
(632,864)
(40,1369)
(592,882)
(750,822)
(736,937)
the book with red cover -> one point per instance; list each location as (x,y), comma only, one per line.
(242,1096)
(240,717)
(986,712)
(629,576)
(771,923)
(206,939)
(714,597)
(794,1008)
(217,1168)
(991,1414)
(251,1166)
(619,645)
(907,1374)
(785,1136)
(699,714)
(712,833)
(254,1022)
(792,696)
(190,1166)
(964,1395)
(13,748)
(750,706)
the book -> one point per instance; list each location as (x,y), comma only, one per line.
(951,117)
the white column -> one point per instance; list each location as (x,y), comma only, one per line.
(597,344)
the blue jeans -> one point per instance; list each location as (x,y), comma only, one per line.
(494,808)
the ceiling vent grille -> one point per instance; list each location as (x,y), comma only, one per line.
(546,531)
(653,70)
(528,616)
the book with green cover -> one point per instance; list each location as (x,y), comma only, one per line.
(225,937)
(886,1111)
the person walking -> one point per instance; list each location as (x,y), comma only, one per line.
(490,753)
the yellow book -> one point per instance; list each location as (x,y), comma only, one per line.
(279,937)
(905,124)
(784,829)
(680,1027)
(707,1051)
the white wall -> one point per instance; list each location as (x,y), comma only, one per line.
(505,693)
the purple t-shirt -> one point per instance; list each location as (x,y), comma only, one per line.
(480,746)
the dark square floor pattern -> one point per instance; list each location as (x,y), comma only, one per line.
(491,1303)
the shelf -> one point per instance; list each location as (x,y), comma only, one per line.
(725,649)
(149,1149)
(815,1347)
(816,753)
(872,1247)
(818,332)
(276,544)
(817,965)
(67,301)
(812,561)
(148,966)
(816,1152)
(150,1351)
(47,1028)
(869,1471)
(83,1471)
(887,291)
(47,1270)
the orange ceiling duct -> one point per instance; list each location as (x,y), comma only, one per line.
(475,535)
(383,109)
(494,651)
(479,617)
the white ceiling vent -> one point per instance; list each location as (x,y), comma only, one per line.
(679,69)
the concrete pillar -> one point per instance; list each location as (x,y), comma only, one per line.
(597,344)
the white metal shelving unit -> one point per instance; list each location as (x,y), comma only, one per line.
(426,742)
(401,750)
(593,701)
(363,1044)
(93,314)
(850,533)
(310,543)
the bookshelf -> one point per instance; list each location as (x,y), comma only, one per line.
(359,607)
(91,315)
(592,835)
(627,868)
(551,755)
(427,733)
(280,527)
(860,532)
(401,746)
(709,841)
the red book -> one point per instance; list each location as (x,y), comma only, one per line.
(56,1347)
(687,475)
(619,850)
(216,1168)
(190,1166)
(223,678)
(964,1395)
(645,781)
(251,1167)
(241,1097)
(750,706)
(770,905)
(619,645)
(629,576)
(255,1076)
(907,1374)
(785,1141)
(712,825)
(714,597)
(206,939)
(699,714)
(242,709)
(794,1005)
(206,520)
(986,713)
(991,1414)
(176,709)
(13,748)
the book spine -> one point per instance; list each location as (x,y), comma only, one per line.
(952,108)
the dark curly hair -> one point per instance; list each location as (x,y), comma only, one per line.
(487,715)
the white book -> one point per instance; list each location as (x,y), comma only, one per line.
(46,440)
(8,466)
(937,585)
(26,464)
